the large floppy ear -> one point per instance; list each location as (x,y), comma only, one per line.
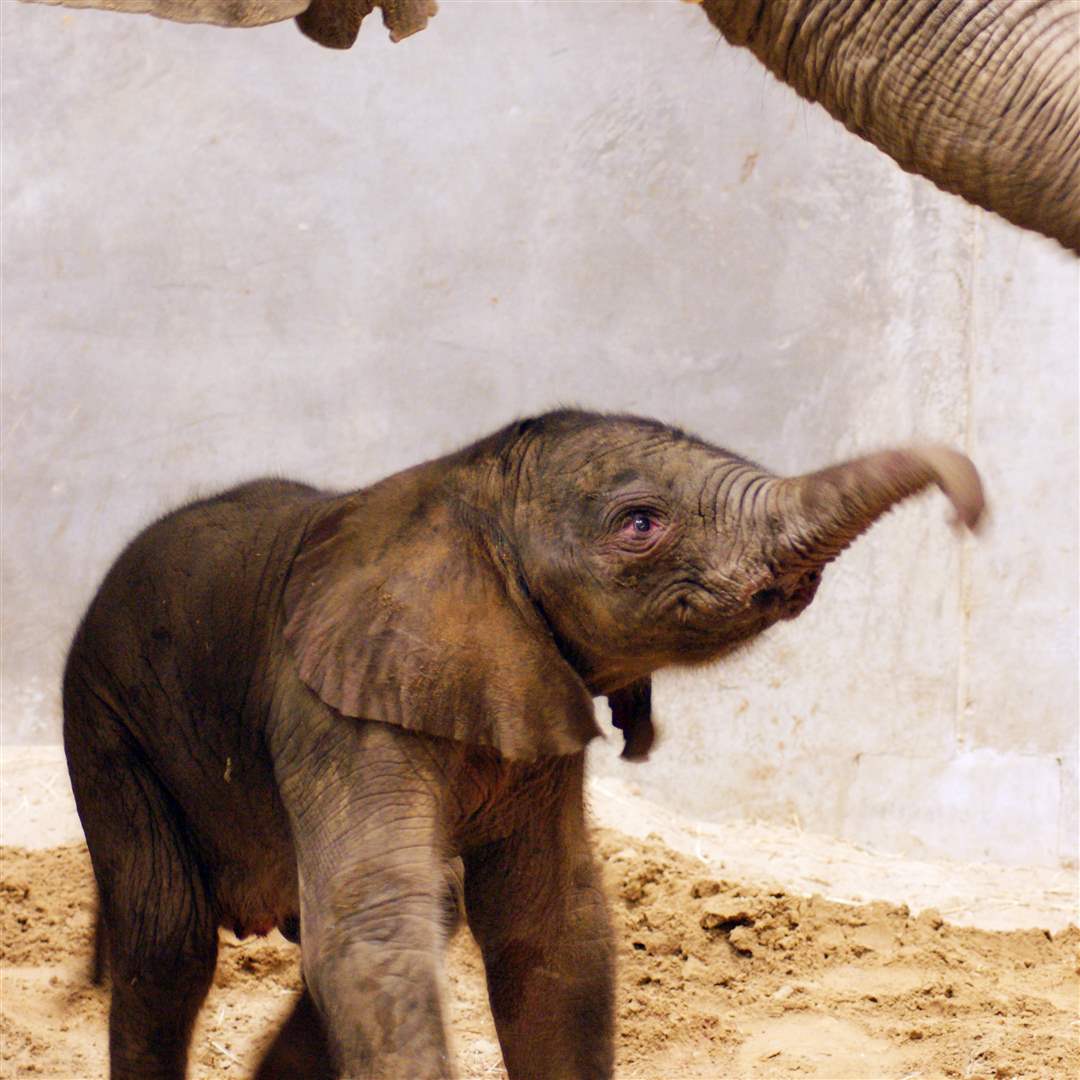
(217,12)
(405,606)
(334,23)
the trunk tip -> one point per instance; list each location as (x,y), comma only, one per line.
(959,480)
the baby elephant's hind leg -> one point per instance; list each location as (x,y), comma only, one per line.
(160,933)
(300,1050)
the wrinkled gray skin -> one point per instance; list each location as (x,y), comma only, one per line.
(336,714)
(980,96)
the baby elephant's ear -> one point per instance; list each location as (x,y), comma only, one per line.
(217,12)
(631,713)
(399,608)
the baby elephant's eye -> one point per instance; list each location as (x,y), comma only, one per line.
(640,523)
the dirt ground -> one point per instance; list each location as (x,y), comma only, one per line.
(717,978)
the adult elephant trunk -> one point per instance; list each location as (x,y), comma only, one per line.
(980,96)
(813,518)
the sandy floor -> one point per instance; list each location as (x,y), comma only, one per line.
(728,967)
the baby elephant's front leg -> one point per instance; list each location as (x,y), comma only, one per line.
(536,907)
(373,884)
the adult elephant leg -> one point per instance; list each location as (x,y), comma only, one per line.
(980,96)
(160,931)
(300,1050)
(536,907)
(365,804)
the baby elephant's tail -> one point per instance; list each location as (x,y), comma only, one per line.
(99,958)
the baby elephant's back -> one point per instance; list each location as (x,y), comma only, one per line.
(192,603)
(175,658)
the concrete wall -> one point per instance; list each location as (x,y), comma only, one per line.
(233,253)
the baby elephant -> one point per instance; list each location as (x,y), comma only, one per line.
(297,709)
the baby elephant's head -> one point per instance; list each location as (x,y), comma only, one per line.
(487,596)
(646,547)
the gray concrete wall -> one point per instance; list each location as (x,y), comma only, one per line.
(232,253)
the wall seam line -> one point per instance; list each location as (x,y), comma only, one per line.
(964,721)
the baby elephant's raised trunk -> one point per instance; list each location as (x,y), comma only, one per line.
(821,513)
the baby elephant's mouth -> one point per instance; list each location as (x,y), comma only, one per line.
(789,598)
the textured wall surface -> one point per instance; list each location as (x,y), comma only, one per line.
(231,253)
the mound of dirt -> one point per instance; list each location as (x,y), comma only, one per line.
(717,978)
(722,978)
